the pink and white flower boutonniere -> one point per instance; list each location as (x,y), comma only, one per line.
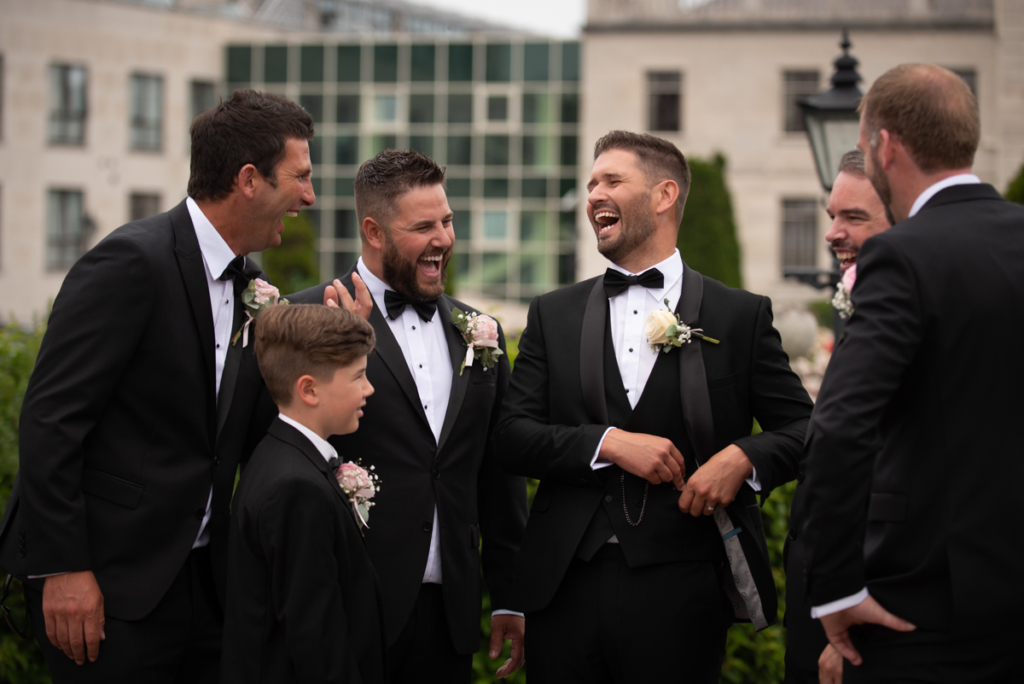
(842,302)
(480,333)
(257,298)
(359,485)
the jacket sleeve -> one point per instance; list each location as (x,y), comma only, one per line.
(526,441)
(780,404)
(97,322)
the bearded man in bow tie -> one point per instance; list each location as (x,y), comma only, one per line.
(645,536)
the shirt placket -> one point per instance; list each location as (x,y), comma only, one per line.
(421,370)
(632,342)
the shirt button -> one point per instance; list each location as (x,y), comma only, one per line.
(630,349)
(200,513)
(218,346)
(627,391)
(635,311)
(421,365)
(424,406)
(414,327)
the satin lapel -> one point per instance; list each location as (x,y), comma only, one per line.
(693,385)
(457,351)
(595,317)
(193,275)
(231,363)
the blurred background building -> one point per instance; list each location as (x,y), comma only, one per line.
(96,97)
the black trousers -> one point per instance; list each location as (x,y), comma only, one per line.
(424,650)
(178,643)
(612,623)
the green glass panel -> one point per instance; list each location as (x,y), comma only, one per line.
(314,104)
(311,63)
(460,108)
(314,219)
(275,64)
(496,150)
(533,226)
(532,269)
(349,63)
(497,108)
(239,63)
(567,226)
(317,183)
(460,62)
(343,187)
(346,149)
(565,185)
(495,268)
(385,108)
(461,262)
(460,150)
(421,109)
(570,61)
(499,63)
(316,155)
(535,61)
(347,109)
(495,187)
(385,63)
(379,143)
(495,225)
(570,108)
(536,152)
(343,262)
(535,188)
(345,227)
(536,108)
(424,144)
(457,187)
(461,226)
(568,150)
(422,67)
(566,269)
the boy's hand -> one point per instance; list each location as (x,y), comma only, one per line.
(512,627)
(336,293)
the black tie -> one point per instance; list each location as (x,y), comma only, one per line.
(395,303)
(332,464)
(241,271)
(617,282)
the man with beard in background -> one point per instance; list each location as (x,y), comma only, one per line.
(426,431)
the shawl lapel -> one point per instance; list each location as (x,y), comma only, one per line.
(592,354)
(457,351)
(693,382)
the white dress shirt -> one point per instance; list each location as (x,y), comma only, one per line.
(216,257)
(321,444)
(922,199)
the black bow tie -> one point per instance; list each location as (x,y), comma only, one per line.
(395,303)
(617,282)
(332,464)
(241,271)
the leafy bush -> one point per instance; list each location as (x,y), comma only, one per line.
(1015,192)
(707,233)
(292,265)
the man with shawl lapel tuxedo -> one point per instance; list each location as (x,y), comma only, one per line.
(622,577)
(140,410)
(427,431)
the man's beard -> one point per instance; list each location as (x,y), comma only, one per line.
(881,184)
(401,274)
(636,225)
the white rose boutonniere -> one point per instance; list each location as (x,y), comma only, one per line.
(480,333)
(257,298)
(665,330)
(359,485)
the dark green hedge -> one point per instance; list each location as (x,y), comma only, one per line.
(707,233)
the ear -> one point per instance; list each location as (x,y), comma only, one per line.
(374,233)
(664,196)
(247,179)
(887,148)
(306,391)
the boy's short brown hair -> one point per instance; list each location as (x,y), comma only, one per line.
(307,339)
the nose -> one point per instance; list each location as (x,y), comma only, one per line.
(597,194)
(368,390)
(443,237)
(308,196)
(835,231)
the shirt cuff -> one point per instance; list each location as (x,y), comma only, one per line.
(594,463)
(841,604)
(754,481)
(52,574)
(506,612)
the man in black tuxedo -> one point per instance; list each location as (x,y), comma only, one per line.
(913,453)
(427,431)
(622,578)
(140,409)
(857,214)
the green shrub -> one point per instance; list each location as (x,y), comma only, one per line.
(292,265)
(1015,192)
(707,233)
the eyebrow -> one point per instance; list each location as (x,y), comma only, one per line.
(428,222)
(604,176)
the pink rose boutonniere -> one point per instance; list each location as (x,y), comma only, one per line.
(842,302)
(257,298)
(480,333)
(359,485)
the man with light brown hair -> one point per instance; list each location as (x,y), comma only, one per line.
(913,455)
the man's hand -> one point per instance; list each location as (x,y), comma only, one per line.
(512,627)
(716,482)
(655,459)
(73,612)
(336,293)
(867,611)
(830,666)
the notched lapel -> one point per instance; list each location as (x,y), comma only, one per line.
(457,352)
(595,317)
(693,384)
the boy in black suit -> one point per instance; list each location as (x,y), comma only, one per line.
(303,602)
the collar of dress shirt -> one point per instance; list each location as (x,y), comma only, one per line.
(375,285)
(321,444)
(959,179)
(216,253)
(671,268)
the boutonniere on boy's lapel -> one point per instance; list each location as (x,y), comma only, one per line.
(359,485)
(257,298)
(480,333)
(665,330)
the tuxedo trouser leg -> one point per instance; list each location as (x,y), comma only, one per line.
(923,657)
(201,664)
(150,650)
(424,651)
(798,675)
(612,623)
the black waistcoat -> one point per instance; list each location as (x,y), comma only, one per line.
(665,534)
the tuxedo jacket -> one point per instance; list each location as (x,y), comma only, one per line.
(121,435)
(303,604)
(562,399)
(914,458)
(456,473)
